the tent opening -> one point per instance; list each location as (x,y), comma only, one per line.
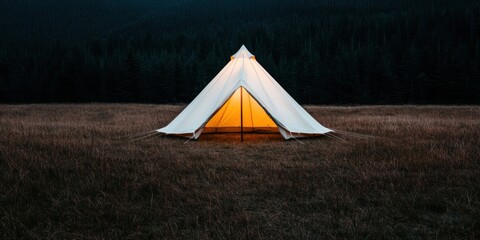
(241,109)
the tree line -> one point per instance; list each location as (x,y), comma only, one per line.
(321,52)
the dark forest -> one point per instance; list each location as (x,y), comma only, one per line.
(320,51)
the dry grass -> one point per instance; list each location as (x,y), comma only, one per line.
(64,174)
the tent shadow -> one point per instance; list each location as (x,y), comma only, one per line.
(230,138)
(257,138)
(247,137)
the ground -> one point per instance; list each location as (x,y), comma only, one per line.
(67,171)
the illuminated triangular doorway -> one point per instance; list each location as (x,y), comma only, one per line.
(229,117)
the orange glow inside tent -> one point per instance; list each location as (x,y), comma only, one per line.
(228,117)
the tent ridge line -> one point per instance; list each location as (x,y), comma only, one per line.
(219,75)
(280,89)
(224,86)
(261,84)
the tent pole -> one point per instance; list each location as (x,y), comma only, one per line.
(241,114)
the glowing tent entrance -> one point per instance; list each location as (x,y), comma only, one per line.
(241,113)
(244,97)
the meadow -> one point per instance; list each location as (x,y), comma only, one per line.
(67,171)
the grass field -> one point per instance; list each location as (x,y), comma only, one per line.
(66,173)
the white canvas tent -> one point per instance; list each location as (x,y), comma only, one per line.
(243,97)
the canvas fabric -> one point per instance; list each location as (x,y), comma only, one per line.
(265,104)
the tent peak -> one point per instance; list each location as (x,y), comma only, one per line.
(242,53)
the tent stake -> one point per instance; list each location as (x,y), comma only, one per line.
(241,114)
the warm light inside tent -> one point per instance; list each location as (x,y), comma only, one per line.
(228,118)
